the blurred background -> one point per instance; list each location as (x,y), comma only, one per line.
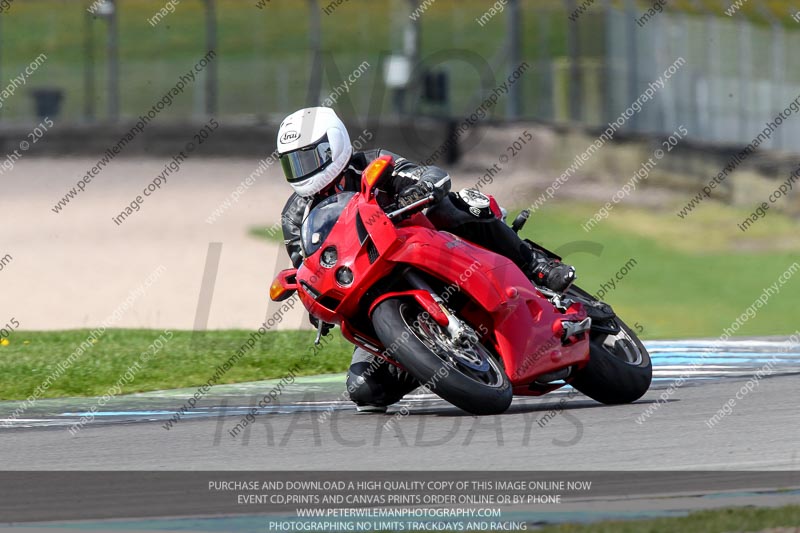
(405,75)
(109,60)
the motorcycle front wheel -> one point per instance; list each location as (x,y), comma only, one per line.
(468,376)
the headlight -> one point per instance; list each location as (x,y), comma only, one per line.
(329,257)
(344,276)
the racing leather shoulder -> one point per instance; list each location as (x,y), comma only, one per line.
(291,221)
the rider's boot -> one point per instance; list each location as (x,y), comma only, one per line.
(550,273)
(374,384)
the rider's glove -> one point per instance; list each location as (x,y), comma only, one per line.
(418,191)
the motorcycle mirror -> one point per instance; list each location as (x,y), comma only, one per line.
(520,221)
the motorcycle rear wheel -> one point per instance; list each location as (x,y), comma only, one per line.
(619,369)
(469,377)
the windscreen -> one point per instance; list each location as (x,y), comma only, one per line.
(320,221)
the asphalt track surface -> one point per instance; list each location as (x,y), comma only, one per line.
(315,427)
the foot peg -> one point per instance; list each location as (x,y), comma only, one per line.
(573,328)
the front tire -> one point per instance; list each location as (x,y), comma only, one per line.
(619,369)
(470,378)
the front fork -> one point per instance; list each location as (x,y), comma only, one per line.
(459,332)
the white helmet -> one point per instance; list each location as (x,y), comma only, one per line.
(314,149)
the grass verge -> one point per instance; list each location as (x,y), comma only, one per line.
(30,357)
(692,278)
(748,519)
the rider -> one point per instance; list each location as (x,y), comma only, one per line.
(318,161)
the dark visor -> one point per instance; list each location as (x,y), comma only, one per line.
(306,161)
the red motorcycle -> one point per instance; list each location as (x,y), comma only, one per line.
(462,320)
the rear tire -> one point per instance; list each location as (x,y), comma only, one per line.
(441,367)
(619,369)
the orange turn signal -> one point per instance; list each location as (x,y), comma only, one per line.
(374,171)
(276,291)
(283,286)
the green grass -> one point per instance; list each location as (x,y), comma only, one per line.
(267,233)
(693,277)
(739,520)
(30,357)
(716,521)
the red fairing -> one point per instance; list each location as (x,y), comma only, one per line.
(521,318)
(516,319)
(495,207)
